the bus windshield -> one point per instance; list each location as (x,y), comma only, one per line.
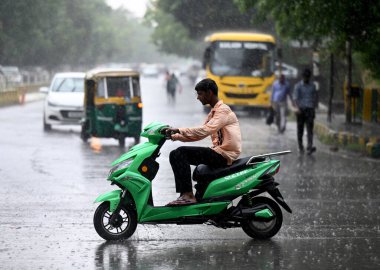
(236,58)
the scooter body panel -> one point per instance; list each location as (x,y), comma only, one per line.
(241,182)
(113,197)
(141,151)
(174,212)
(139,187)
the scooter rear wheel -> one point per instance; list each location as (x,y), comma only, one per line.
(263,229)
(124,226)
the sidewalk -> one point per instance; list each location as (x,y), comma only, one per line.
(364,137)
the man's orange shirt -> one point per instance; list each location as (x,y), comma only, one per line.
(223,126)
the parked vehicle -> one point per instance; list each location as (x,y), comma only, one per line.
(113,107)
(3,81)
(12,75)
(121,210)
(64,101)
(288,71)
(150,71)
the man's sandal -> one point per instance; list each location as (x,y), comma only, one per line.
(181,201)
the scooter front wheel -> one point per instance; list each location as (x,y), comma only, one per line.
(261,229)
(122,228)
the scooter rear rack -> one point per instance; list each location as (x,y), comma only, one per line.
(266,157)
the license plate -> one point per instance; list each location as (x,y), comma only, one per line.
(74,114)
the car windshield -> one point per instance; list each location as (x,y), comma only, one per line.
(235,58)
(126,87)
(68,85)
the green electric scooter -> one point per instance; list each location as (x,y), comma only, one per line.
(226,197)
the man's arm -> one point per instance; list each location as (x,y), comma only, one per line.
(295,97)
(219,120)
(273,91)
(316,97)
(175,135)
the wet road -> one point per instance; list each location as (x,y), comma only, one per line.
(48,182)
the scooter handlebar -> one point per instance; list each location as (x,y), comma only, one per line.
(165,133)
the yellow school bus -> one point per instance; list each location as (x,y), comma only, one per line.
(242,65)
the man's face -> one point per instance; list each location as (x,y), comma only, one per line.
(204,96)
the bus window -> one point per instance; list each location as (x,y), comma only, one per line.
(206,57)
(242,59)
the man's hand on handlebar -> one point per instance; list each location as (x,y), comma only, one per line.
(169,132)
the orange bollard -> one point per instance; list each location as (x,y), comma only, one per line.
(96,145)
(21,97)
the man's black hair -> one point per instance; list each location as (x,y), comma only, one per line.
(207,84)
(306,72)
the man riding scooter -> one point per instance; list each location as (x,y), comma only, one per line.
(223,127)
(227,196)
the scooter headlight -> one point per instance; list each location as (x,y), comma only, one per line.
(120,166)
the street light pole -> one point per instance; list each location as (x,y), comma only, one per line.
(349,82)
(331,87)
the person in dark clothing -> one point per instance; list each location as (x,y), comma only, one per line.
(305,97)
(172,84)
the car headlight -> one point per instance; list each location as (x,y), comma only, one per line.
(51,104)
(120,166)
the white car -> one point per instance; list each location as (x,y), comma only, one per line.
(289,71)
(64,101)
(150,71)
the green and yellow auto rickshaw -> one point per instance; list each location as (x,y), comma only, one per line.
(112,104)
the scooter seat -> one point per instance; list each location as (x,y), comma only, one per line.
(204,173)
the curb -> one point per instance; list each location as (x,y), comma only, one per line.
(348,140)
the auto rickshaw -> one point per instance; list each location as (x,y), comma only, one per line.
(112,104)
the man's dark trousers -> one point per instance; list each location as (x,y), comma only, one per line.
(184,156)
(305,116)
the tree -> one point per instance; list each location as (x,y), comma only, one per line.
(338,25)
(328,22)
(181,26)
(82,33)
(170,36)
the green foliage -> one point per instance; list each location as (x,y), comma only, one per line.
(51,33)
(171,36)
(202,17)
(327,22)
(181,26)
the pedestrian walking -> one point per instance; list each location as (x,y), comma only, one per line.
(281,90)
(305,99)
(172,85)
